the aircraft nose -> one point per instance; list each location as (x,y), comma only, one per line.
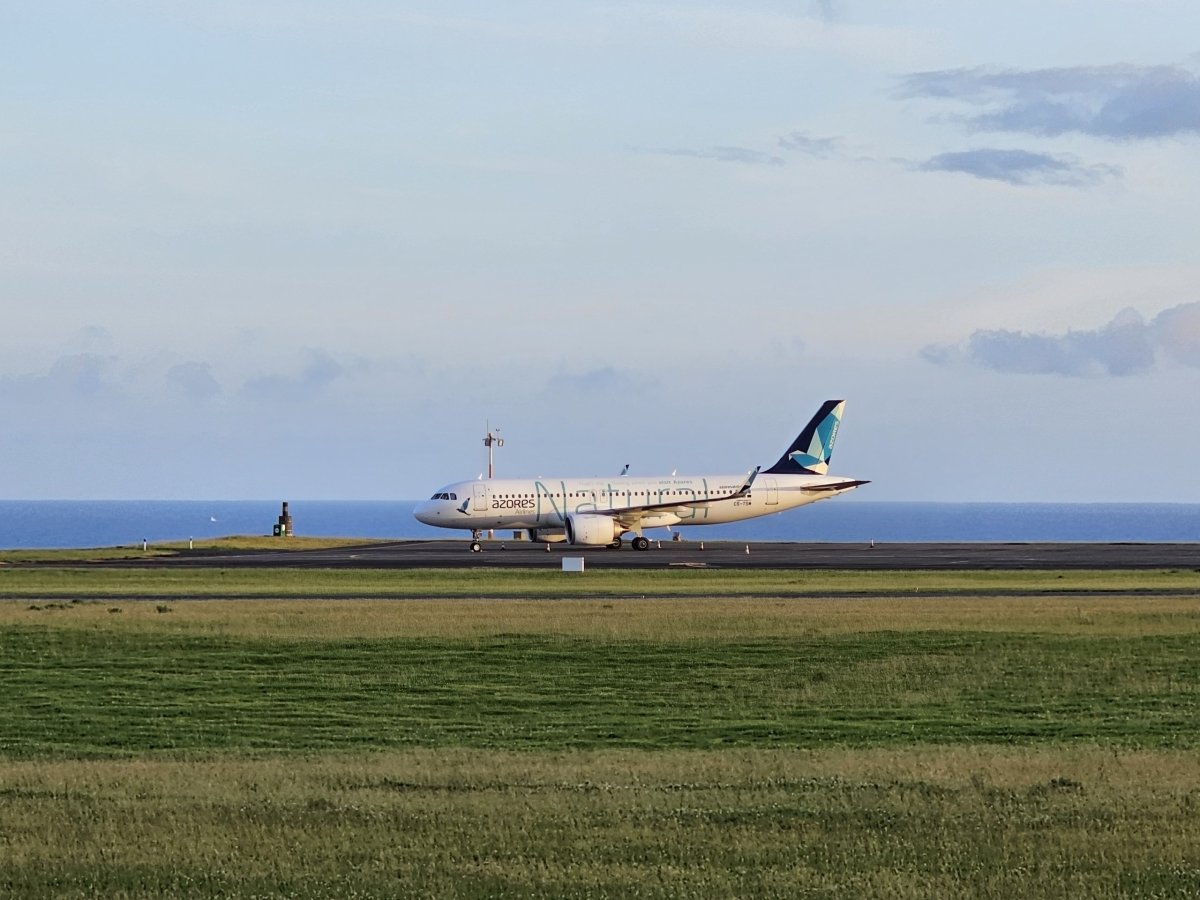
(424,512)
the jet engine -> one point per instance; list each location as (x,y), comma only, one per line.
(591,529)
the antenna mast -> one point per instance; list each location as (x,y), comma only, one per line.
(492,440)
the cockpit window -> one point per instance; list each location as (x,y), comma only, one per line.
(442,495)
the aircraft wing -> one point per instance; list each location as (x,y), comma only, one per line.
(630,515)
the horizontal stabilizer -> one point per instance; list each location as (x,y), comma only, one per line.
(834,486)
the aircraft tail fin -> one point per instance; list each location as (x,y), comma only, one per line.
(810,452)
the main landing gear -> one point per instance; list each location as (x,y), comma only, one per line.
(637,543)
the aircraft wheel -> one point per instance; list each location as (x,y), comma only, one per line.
(476,547)
(615,545)
(641,543)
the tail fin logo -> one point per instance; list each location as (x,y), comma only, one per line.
(813,447)
(816,458)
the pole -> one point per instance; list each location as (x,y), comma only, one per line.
(490,441)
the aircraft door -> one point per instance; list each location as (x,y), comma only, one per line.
(772,492)
(481,497)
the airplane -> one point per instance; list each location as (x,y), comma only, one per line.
(600,511)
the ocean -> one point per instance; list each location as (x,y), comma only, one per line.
(105,523)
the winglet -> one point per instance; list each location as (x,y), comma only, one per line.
(745,488)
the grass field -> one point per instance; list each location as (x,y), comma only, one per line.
(1027,735)
(174,548)
(84,581)
(907,822)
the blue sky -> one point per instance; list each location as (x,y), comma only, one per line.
(310,249)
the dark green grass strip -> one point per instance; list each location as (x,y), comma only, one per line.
(90,581)
(78,693)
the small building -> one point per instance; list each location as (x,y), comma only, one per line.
(283,525)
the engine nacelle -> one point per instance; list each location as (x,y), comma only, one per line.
(592,529)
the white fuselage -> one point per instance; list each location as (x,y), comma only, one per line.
(546,503)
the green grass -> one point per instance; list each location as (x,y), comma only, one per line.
(173,548)
(100,581)
(930,822)
(98,692)
(786,736)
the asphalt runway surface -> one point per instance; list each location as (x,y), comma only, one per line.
(456,554)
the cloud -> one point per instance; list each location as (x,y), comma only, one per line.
(940,354)
(194,380)
(791,348)
(1122,347)
(1020,167)
(1128,345)
(821,30)
(76,376)
(1116,102)
(85,374)
(1177,331)
(605,380)
(94,339)
(319,372)
(822,148)
(796,141)
(826,9)
(726,154)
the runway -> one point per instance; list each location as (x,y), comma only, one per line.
(453,554)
